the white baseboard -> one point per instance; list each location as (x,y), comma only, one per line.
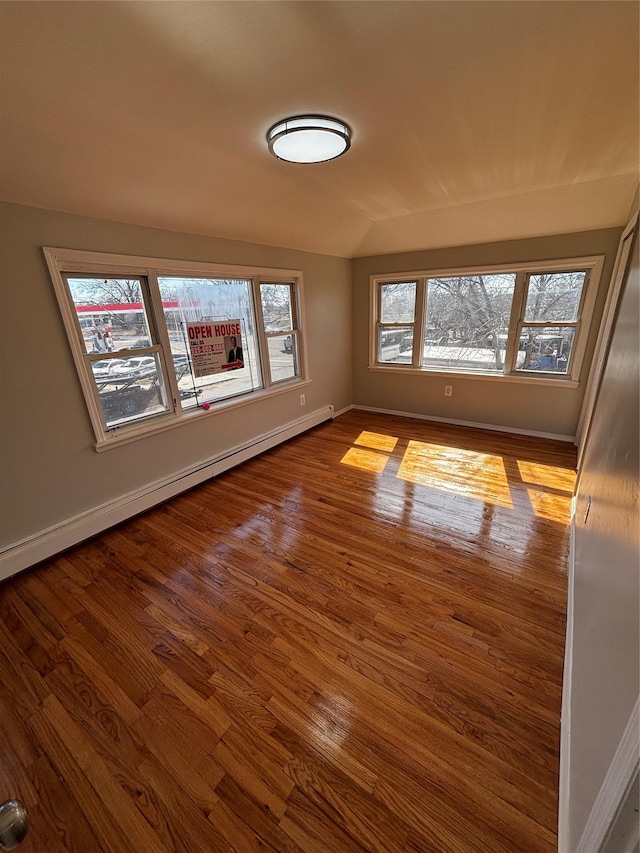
(46,543)
(620,776)
(342,411)
(473,424)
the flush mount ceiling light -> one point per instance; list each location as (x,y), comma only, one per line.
(309,139)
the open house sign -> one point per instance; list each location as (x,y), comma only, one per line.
(215,347)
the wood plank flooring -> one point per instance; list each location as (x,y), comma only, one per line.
(351,643)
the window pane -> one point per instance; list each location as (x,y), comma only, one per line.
(111,313)
(545,348)
(283,357)
(467,321)
(398,302)
(129,388)
(276,307)
(191,300)
(554,296)
(395,344)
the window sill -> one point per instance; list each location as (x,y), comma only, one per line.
(518,378)
(134,432)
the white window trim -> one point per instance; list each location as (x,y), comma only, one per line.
(379,324)
(70,261)
(596,370)
(592,263)
(293,331)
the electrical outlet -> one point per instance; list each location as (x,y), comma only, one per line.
(302,400)
(448,390)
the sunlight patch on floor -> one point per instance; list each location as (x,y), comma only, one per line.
(550,505)
(552,498)
(547,475)
(365,459)
(377,441)
(463,472)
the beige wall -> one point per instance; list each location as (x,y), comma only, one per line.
(49,469)
(531,407)
(605,652)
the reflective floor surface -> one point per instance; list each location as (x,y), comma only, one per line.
(353,642)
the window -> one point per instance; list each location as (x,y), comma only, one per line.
(120,347)
(397,315)
(155,340)
(467,321)
(280,326)
(525,322)
(547,327)
(192,300)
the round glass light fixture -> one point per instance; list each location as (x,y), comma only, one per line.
(309,139)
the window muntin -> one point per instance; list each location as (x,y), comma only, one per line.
(191,300)
(144,325)
(527,321)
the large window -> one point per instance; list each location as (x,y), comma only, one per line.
(525,321)
(195,300)
(154,341)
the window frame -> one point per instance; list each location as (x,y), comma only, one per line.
(65,263)
(164,331)
(96,410)
(592,264)
(381,326)
(294,330)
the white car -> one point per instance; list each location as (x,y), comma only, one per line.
(134,368)
(102,369)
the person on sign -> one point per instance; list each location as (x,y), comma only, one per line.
(235,354)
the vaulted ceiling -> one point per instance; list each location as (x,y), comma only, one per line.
(472,121)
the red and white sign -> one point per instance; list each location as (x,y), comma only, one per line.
(215,346)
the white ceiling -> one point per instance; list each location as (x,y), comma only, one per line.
(472,121)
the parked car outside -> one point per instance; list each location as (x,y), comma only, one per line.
(135,368)
(102,369)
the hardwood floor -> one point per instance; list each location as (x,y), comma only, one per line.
(353,642)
